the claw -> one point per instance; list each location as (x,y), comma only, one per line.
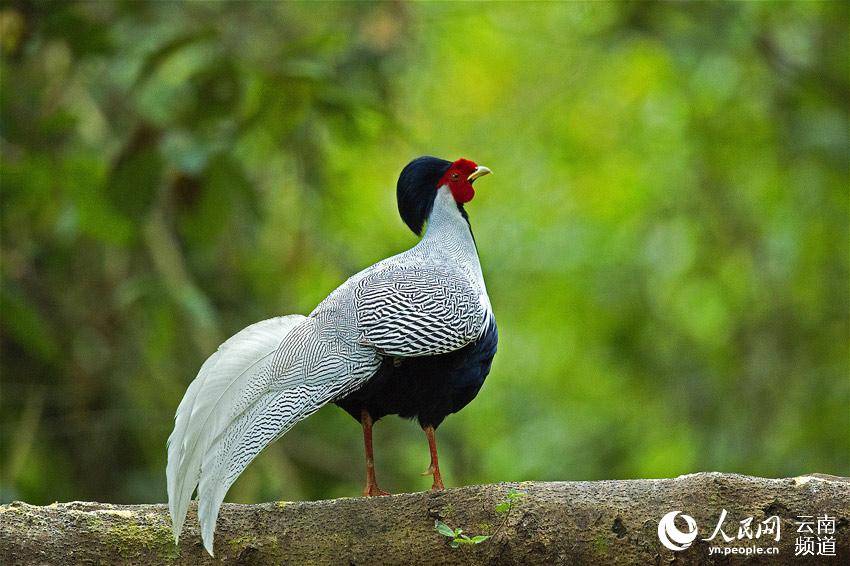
(374,491)
(429,471)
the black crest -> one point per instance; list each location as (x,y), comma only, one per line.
(417,189)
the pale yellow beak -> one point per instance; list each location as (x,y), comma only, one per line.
(480,171)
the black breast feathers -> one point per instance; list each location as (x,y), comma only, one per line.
(427,388)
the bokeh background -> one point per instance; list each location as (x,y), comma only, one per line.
(665,238)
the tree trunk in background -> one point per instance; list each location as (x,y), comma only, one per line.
(601,522)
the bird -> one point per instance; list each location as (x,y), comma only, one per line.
(413,335)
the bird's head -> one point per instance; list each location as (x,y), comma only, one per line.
(424,176)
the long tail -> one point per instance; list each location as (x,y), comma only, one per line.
(246,395)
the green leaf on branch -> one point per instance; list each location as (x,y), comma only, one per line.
(444,529)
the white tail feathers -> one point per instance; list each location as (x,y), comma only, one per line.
(235,393)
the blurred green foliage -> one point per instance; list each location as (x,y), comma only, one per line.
(665,239)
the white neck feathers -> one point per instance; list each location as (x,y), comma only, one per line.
(446,219)
(448,235)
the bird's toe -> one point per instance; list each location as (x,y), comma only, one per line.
(374,491)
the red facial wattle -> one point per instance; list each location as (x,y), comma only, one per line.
(457,179)
(462,191)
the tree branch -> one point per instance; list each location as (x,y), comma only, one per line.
(610,522)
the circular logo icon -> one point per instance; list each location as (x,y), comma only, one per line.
(671,537)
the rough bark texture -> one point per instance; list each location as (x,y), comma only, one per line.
(603,522)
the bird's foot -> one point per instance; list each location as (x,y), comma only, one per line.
(438,480)
(372,490)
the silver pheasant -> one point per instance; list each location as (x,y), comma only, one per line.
(408,313)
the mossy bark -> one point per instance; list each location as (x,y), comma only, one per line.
(602,522)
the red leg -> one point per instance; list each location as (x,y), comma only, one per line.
(434,469)
(371,488)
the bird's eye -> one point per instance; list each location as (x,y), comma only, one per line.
(455,176)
